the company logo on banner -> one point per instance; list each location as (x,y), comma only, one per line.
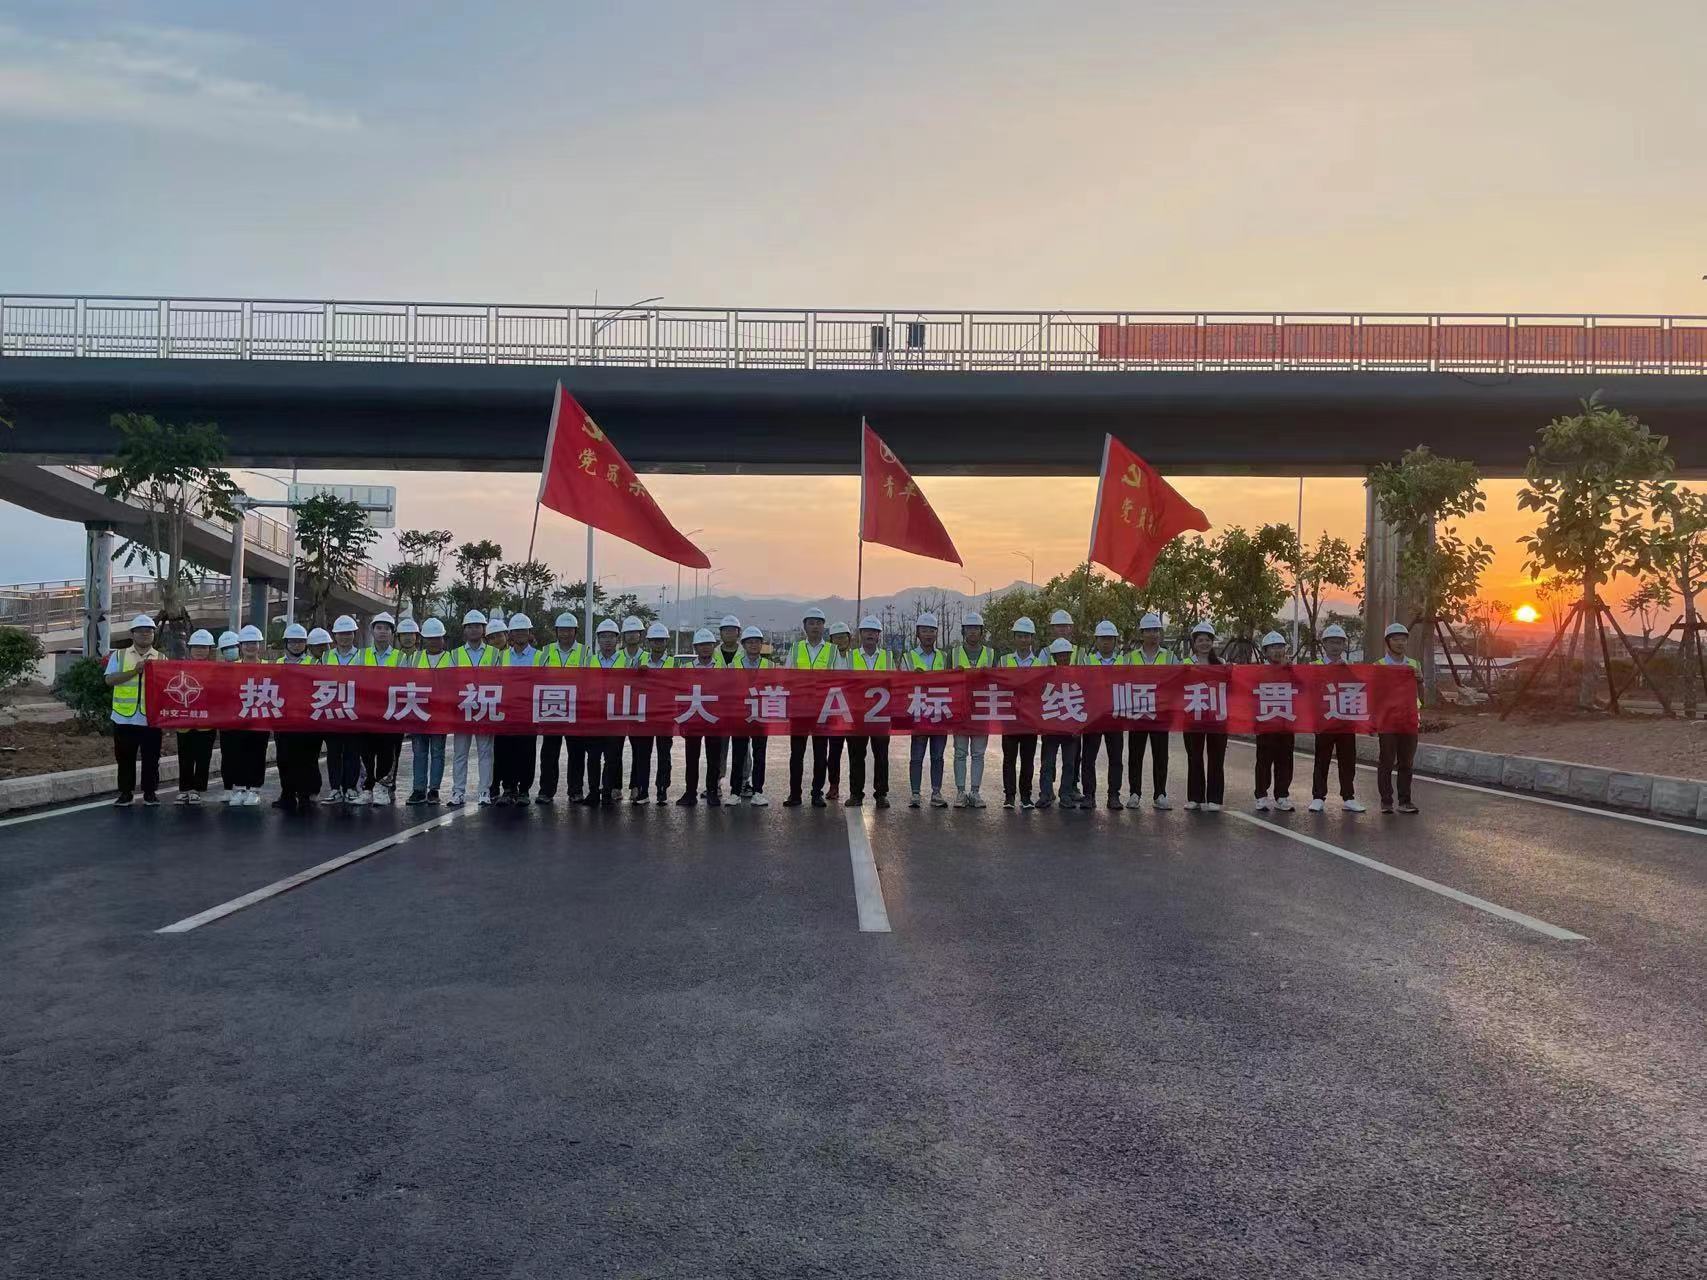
(695,701)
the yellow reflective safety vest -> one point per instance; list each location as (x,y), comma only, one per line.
(1038,659)
(460,656)
(763,664)
(663,663)
(555,655)
(370,657)
(917,661)
(879,661)
(433,661)
(330,658)
(625,660)
(802,659)
(128,697)
(964,662)
(1091,658)
(1136,658)
(721,659)
(1386,660)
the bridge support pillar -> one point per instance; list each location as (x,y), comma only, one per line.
(1380,574)
(97,590)
(258,588)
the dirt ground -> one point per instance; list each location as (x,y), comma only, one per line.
(49,748)
(1641,744)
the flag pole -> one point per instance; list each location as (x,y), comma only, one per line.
(1096,508)
(859,572)
(545,467)
(587,633)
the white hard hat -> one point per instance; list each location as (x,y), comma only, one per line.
(752,633)
(729,620)
(1273,638)
(871,622)
(408,627)
(227,639)
(925,620)
(1396,629)
(1203,629)
(1333,631)
(973,619)
(385,617)
(206,637)
(704,636)
(567,621)
(474,618)
(631,623)
(344,624)
(433,629)
(1060,645)
(520,622)
(1024,627)
(319,636)
(1060,618)
(496,623)
(813,613)
(839,629)
(251,634)
(608,628)
(1150,622)
(657,631)
(142,620)
(1107,628)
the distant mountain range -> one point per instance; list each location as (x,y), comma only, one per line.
(782,613)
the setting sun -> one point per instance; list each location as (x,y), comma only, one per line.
(1526,613)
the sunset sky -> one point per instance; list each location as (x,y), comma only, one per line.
(1460,156)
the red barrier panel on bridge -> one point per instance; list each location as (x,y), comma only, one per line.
(689,701)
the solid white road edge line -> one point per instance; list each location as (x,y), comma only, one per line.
(868,889)
(313,873)
(106,803)
(1433,886)
(1521,795)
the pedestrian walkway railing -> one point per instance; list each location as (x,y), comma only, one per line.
(897,339)
(59,606)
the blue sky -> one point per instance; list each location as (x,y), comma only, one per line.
(1469,156)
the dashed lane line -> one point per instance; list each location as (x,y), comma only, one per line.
(868,888)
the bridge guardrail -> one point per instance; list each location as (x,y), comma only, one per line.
(891,339)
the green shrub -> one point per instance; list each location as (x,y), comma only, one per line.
(19,653)
(84,689)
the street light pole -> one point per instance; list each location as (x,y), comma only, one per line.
(1030,568)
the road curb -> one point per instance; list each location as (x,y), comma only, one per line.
(38,791)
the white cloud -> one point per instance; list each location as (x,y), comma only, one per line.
(164,78)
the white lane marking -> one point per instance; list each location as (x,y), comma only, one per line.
(1433,886)
(868,889)
(1520,795)
(313,873)
(100,804)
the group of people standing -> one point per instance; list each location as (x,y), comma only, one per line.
(361,768)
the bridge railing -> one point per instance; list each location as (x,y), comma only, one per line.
(894,339)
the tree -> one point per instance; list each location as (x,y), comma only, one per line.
(1182,583)
(1647,603)
(1672,549)
(332,538)
(1588,471)
(19,653)
(425,546)
(1249,590)
(415,577)
(475,564)
(1090,596)
(1327,564)
(173,474)
(525,586)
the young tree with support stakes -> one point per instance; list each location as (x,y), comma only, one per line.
(415,578)
(524,587)
(1182,584)
(173,474)
(1327,564)
(1249,589)
(1670,550)
(332,539)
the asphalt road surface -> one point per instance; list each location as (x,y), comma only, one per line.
(642,1042)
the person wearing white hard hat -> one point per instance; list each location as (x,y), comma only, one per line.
(319,641)
(1059,748)
(343,750)
(380,751)
(298,753)
(243,752)
(226,650)
(195,746)
(868,656)
(1274,749)
(228,646)
(1397,751)
(1104,652)
(1205,750)
(926,655)
(1149,653)
(712,747)
(813,652)
(728,651)
(1019,749)
(1061,628)
(427,750)
(604,753)
(971,654)
(1334,747)
(513,753)
(408,642)
(133,736)
(565,650)
(840,636)
(747,754)
(652,752)
(475,651)
(632,655)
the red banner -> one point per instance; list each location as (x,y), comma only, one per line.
(693,701)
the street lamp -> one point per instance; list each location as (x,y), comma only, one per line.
(606,321)
(974,583)
(689,534)
(1030,568)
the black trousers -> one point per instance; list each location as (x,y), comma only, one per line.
(1158,743)
(662,749)
(552,746)
(604,767)
(129,742)
(1331,746)
(299,766)
(1398,750)
(1065,747)
(833,765)
(747,765)
(512,763)
(343,760)
(639,761)
(1018,749)
(195,754)
(1088,744)
(1274,759)
(243,757)
(797,763)
(1206,786)
(714,751)
(878,745)
(379,753)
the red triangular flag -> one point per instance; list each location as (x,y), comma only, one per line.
(894,512)
(586,479)
(1137,514)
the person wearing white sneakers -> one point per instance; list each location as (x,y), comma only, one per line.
(813,652)
(604,753)
(1019,750)
(1149,653)
(380,751)
(244,751)
(1104,652)
(1061,628)
(1274,750)
(926,657)
(840,636)
(427,750)
(343,750)
(195,746)
(513,753)
(297,753)
(1332,746)
(472,652)
(971,654)
(1205,788)
(132,734)
(747,762)
(713,747)
(1397,750)
(566,650)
